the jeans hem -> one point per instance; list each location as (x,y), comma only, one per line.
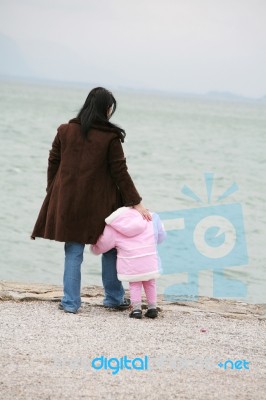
(112,305)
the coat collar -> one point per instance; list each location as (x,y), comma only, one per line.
(75,121)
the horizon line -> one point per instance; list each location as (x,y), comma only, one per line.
(215,93)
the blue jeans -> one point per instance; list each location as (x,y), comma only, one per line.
(113,289)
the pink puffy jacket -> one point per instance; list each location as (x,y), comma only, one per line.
(136,242)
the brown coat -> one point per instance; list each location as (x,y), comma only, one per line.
(86,182)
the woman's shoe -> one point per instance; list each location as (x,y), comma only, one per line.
(136,314)
(151,313)
(61,307)
(123,306)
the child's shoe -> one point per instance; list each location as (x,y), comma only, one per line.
(151,313)
(136,314)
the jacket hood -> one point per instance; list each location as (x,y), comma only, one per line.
(127,221)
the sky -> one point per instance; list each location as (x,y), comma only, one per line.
(187,46)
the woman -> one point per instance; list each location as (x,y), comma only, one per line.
(87,179)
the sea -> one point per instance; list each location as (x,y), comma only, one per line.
(183,151)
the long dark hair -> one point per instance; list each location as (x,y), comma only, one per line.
(93,114)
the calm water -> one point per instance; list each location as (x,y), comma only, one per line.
(171,141)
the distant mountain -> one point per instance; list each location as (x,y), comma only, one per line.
(225,95)
(48,60)
(12,61)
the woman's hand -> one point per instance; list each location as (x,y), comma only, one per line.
(143,211)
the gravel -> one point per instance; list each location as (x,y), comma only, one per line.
(47,354)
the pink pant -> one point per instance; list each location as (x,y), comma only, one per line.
(149,288)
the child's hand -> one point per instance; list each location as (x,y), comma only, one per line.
(143,211)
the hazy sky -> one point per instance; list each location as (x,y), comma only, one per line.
(178,45)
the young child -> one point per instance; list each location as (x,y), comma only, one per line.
(138,261)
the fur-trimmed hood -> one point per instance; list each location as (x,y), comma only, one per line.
(135,240)
(127,221)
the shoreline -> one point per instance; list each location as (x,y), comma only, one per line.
(93,295)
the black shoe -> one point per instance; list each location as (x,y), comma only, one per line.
(136,314)
(123,306)
(151,313)
(61,307)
